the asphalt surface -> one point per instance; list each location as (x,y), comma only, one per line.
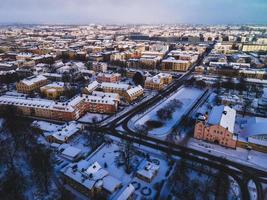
(241,173)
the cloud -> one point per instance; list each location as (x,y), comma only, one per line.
(133,11)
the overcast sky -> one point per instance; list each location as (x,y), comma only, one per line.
(133,11)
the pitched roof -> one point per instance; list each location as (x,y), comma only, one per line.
(223,116)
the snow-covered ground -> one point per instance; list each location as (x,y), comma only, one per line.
(46,126)
(106,155)
(252,190)
(90,117)
(234,192)
(147,95)
(256,159)
(206,107)
(187,96)
(81,142)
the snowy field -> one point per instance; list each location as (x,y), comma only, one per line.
(187,96)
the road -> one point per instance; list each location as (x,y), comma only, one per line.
(152,101)
(241,173)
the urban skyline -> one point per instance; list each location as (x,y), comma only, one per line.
(134,12)
(133,100)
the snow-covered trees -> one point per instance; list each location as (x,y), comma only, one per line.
(166,112)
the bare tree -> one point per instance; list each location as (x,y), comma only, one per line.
(64,194)
(126,154)
(7,153)
(208,187)
(94,138)
(40,160)
(246,106)
(222,185)
(12,185)
(142,130)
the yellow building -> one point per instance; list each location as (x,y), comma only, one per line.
(30,84)
(53,90)
(157,82)
(154,83)
(119,88)
(167,78)
(175,65)
(134,93)
(254,47)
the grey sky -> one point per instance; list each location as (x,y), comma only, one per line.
(133,11)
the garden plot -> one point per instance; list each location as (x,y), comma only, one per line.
(162,117)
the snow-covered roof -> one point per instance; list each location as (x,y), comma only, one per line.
(68,106)
(56,75)
(94,168)
(110,183)
(108,75)
(105,94)
(134,90)
(79,176)
(46,126)
(99,99)
(33,79)
(175,61)
(79,64)
(126,193)
(67,131)
(154,79)
(148,170)
(120,86)
(54,85)
(164,75)
(92,86)
(223,116)
(26,102)
(254,127)
(59,64)
(71,152)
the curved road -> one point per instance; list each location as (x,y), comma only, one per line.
(241,173)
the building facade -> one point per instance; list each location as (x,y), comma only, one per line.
(110,78)
(53,90)
(218,127)
(66,111)
(175,65)
(31,84)
(134,93)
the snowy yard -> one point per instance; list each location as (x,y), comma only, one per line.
(106,156)
(187,96)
